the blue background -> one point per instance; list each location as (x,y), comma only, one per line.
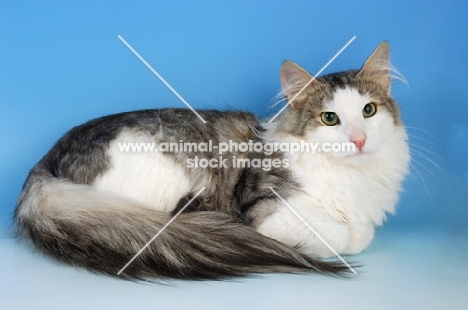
(62,64)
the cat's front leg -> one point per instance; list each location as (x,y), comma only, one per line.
(285,226)
(361,235)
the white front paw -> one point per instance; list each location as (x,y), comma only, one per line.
(328,241)
(361,235)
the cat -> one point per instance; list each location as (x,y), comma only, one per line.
(94,204)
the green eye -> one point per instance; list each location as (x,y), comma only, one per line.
(369,109)
(329,118)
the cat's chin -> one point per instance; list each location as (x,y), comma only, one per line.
(355,159)
(360,158)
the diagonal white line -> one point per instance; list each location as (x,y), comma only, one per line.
(313,230)
(315,76)
(160,231)
(162,79)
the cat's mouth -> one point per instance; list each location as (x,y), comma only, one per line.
(356,157)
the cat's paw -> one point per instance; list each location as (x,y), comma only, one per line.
(320,237)
(361,235)
(327,241)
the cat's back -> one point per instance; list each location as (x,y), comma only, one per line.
(119,153)
(87,144)
(180,122)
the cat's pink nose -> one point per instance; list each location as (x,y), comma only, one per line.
(359,143)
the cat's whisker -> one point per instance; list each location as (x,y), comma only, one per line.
(412,136)
(423,153)
(423,156)
(424,167)
(425,131)
(426,150)
(423,182)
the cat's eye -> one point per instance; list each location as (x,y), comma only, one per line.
(369,110)
(329,118)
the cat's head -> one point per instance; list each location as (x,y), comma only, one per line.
(353,107)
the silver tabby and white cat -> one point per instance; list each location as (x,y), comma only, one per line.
(90,204)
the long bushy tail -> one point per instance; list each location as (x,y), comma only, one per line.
(80,225)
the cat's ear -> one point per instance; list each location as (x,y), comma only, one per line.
(293,79)
(377,66)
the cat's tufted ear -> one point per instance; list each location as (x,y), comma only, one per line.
(293,79)
(377,66)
